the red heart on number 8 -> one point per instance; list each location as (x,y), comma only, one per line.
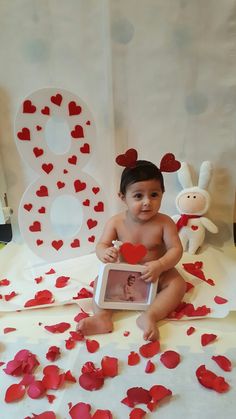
(75,243)
(36,226)
(91,223)
(133,253)
(57,244)
(57,99)
(79,186)
(74,109)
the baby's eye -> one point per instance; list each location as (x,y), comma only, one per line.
(138,196)
(154,194)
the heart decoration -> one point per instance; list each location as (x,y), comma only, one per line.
(45,110)
(99,207)
(128,159)
(91,223)
(74,109)
(24,134)
(79,186)
(85,148)
(57,244)
(36,226)
(28,107)
(194,227)
(169,163)
(75,243)
(72,159)
(57,99)
(77,132)
(133,253)
(42,191)
(38,151)
(47,167)
(28,207)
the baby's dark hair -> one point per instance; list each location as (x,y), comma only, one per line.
(143,170)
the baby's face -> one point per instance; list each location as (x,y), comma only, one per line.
(143,199)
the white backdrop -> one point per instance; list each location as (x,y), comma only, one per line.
(158,75)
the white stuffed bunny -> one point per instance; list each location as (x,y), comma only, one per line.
(192,203)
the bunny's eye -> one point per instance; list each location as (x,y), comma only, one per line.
(194,196)
(188,196)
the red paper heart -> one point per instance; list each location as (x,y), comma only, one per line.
(47,167)
(38,151)
(128,159)
(28,207)
(77,132)
(91,223)
(74,109)
(99,207)
(91,239)
(75,243)
(95,190)
(60,184)
(169,164)
(72,160)
(42,191)
(38,128)
(57,99)
(24,134)
(79,186)
(45,110)
(39,242)
(133,253)
(42,210)
(57,244)
(88,123)
(194,228)
(36,226)
(86,203)
(85,149)
(28,107)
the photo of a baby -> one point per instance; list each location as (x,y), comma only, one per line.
(126,286)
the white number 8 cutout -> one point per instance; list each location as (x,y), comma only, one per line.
(58,174)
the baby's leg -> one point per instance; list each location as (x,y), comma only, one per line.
(100,322)
(171,289)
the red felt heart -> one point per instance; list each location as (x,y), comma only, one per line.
(91,239)
(133,253)
(77,132)
(169,163)
(28,107)
(86,203)
(57,99)
(99,207)
(74,109)
(128,159)
(72,160)
(39,242)
(38,151)
(194,228)
(75,243)
(91,223)
(45,110)
(85,149)
(28,207)
(88,123)
(57,244)
(47,167)
(24,134)
(36,226)
(79,186)
(42,210)
(38,128)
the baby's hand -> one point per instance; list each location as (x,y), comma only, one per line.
(111,255)
(151,272)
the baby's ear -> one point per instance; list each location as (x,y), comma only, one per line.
(121,196)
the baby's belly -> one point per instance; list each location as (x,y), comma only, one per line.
(152,254)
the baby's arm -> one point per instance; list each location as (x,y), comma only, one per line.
(172,256)
(104,249)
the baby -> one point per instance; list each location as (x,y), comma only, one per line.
(141,190)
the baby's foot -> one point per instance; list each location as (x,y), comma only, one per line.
(97,324)
(148,324)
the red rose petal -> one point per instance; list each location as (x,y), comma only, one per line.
(51,369)
(210,380)
(52,271)
(133,358)
(83,293)
(150,349)
(14,392)
(53,353)
(89,367)
(80,411)
(190,330)
(92,345)
(159,392)
(207,338)
(27,380)
(9,297)
(36,389)
(109,366)
(127,402)
(8,330)
(58,328)
(150,367)
(69,377)
(50,398)
(81,316)
(138,395)
(77,336)
(220,300)
(40,298)
(44,415)
(62,281)
(170,359)
(189,286)
(70,343)
(4,282)
(102,414)
(137,413)
(91,381)
(52,381)
(223,362)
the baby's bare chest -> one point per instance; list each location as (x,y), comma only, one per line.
(148,235)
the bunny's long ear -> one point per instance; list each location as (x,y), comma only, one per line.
(184,176)
(205,174)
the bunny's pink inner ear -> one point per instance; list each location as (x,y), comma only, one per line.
(128,159)
(169,163)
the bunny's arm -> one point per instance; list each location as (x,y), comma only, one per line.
(209,225)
